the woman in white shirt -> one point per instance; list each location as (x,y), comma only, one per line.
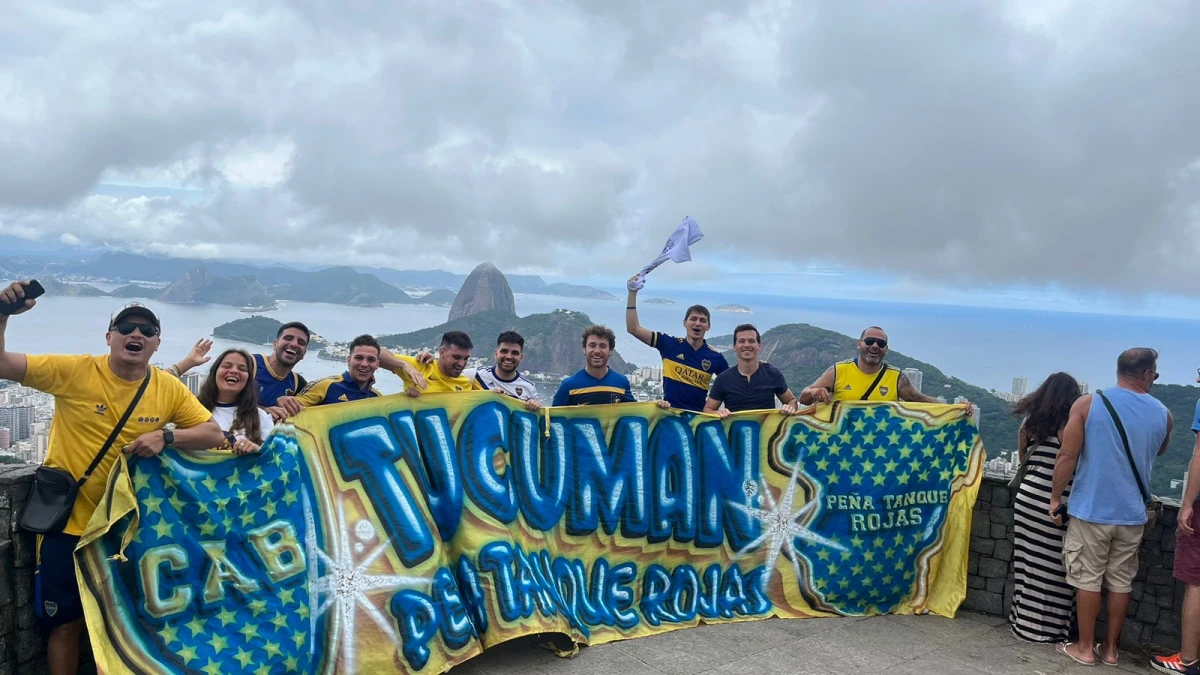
(230,393)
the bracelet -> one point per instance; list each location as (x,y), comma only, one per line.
(174,370)
(631,307)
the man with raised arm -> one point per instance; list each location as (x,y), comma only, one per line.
(688,363)
(444,374)
(865,378)
(751,384)
(91,394)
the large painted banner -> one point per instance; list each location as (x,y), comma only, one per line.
(409,535)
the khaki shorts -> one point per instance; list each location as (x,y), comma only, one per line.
(1101,555)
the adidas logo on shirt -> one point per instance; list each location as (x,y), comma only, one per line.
(847,388)
(343,398)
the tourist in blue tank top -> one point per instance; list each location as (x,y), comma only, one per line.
(1106,508)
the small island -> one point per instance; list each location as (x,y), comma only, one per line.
(736,309)
(256,330)
(659,301)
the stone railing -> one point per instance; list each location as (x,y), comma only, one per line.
(22,644)
(1153,617)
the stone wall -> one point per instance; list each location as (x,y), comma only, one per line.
(1154,607)
(22,644)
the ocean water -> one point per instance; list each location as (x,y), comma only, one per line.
(986,347)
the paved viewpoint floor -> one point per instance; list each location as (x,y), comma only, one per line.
(924,645)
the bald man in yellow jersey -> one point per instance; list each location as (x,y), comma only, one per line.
(866,378)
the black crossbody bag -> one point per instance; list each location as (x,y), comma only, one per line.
(54,490)
(1153,506)
(878,378)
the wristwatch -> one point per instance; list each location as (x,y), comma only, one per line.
(168,437)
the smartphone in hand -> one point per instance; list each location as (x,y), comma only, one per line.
(33,290)
(1061,512)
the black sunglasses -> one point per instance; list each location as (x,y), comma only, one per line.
(127,328)
(872,341)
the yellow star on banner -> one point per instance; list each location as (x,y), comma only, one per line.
(244,657)
(258,607)
(927,451)
(264,488)
(878,542)
(868,466)
(860,425)
(823,554)
(882,451)
(196,625)
(940,436)
(853,595)
(857,541)
(188,654)
(168,635)
(874,593)
(856,570)
(218,643)
(906,452)
(844,583)
(946,475)
(257,472)
(227,523)
(887,580)
(894,439)
(248,631)
(868,556)
(207,529)
(889,554)
(175,502)
(900,565)
(859,450)
(302,612)
(263,670)
(210,483)
(881,424)
(233,478)
(212,668)
(878,567)
(269,509)
(923,476)
(822,465)
(279,621)
(833,479)
(277,460)
(903,478)
(287,596)
(227,617)
(878,479)
(910,549)
(248,519)
(899,538)
(918,436)
(290,662)
(834,450)
(908,423)
(290,497)
(221,503)
(163,529)
(856,479)
(890,467)
(272,649)
(140,482)
(821,585)
(298,639)
(845,465)
(846,555)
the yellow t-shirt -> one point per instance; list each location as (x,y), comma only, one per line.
(89,400)
(850,383)
(438,382)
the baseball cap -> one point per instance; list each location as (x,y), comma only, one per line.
(134,309)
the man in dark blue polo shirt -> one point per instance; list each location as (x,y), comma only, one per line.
(352,385)
(688,363)
(751,384)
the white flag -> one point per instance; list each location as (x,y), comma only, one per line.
(677,249)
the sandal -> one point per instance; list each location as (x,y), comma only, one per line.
(1100,658)
(1061,648)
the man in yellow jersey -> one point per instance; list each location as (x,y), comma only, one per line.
(91,394)
(866,378)
(445,374)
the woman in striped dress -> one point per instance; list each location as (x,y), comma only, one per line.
(1043,602)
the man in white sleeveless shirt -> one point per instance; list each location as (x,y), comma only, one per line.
(1107,508)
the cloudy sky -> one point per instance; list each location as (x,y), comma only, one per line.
(1036,146)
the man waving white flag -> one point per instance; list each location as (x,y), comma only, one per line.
(677,249)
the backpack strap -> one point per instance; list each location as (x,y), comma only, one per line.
(1146,498)
(116,430)
(878,378)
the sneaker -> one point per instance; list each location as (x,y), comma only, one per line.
(1174,664)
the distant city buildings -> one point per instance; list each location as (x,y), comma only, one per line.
(18,419)
(5,438)
(193,380)
(915,377)
(1083,388)
(1020,385)
(645,375)
(1003,465)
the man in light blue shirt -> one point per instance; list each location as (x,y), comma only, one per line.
(1107,509)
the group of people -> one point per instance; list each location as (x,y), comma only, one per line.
(1095,449)
(1082,506)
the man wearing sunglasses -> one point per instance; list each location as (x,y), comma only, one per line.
(865,378)
(91,393)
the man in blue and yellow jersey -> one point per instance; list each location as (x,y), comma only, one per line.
(91,395)
(688,363)
(352,385)
(866,378)
(597,384)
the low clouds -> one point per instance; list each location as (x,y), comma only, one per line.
(961,142)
